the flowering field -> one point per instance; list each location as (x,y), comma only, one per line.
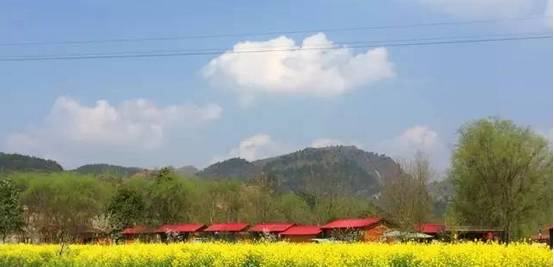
(277,254)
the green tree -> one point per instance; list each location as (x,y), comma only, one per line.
(62,205)
(11,212)
(126,208)
(502,176)
(168,198)
(294,209)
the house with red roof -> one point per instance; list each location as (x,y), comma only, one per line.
(447,232)
(435,230)
(140,232)
(301,233)
(544,236)
(227,231)
(271,230)
(474,233)
(363,229)
(179,232)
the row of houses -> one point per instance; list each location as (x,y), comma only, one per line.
(369,229)
(359,229)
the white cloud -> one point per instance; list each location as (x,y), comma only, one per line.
(300,71)
(138,124)
(417,138)
(255,147)
(487,8)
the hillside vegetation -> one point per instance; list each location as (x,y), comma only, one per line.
(342,169)
(107,169)
(18,162)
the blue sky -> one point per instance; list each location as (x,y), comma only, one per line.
(195,110)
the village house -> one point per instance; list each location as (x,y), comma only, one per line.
(474,233)
(301,233)
(435,230)
(544,236)
(227,231)
(268,230)
(179,232)
(139,232)
(367,229)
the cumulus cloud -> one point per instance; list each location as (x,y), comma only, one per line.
(487,8)
(135,124)
(297,68)
(255,147)
(418,138)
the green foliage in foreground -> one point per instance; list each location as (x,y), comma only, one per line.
(278,254)
(11,212)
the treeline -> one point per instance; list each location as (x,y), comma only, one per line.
(500,177)
(62,205)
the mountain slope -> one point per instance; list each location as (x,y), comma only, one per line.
(343,169)
(18,162)
(235,168)
(441,192)
(107,169)
(188,171)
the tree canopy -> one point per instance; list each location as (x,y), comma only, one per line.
(502,176)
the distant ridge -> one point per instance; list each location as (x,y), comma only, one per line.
(188,170)
(18,162)
(107,169)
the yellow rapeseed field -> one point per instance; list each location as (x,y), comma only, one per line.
(277,254)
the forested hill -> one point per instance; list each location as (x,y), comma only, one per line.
(18,162)
(341,169)
(107,169)
(235,168)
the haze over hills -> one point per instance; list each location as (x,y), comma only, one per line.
(344,169)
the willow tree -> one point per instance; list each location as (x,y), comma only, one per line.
(502,176)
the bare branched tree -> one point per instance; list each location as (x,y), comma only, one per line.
(404,197)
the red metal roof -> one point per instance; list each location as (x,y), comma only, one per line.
(302,230)
(270,227)
(138,229)
(352,223)
(179,228)
(227,227)
(430,228)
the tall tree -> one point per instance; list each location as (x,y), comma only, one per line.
(502,176)
(168,198)
(126,208)
(404,197)
(11,212)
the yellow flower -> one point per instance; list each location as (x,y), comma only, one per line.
(278,254)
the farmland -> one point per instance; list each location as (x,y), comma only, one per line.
(278,254)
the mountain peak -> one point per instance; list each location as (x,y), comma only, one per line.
(352,169)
